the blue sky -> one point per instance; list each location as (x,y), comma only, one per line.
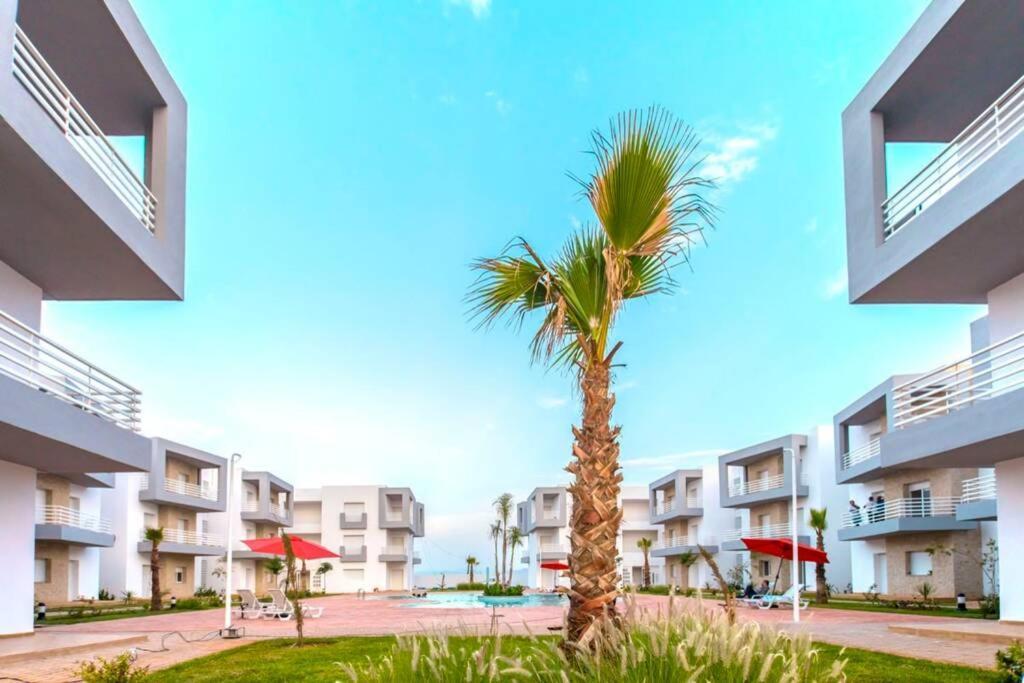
(347,161)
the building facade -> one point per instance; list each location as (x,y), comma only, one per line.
(949,233)
(79,224)
(261,506)
(372,528)
(183,486)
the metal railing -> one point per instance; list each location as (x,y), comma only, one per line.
(1002,121)
(172,535)
(682,541)
(764,484)
(768,531)
(979,488)
(858,455)
(43,364)
(900,508)
(990,372)
(553,548)
(184,488)
(250,506)
(65,516)
(50,92)
(278,511)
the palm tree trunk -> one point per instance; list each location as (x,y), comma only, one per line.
(154,577)
(471,573)
(595,513)
(511,564)
(821,588)
(647,570)
(497,572)
(504,553)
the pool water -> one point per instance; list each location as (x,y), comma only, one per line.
(466,600)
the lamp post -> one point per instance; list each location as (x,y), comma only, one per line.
(795,569)
(235,457)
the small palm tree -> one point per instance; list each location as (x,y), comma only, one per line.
(503,506)
(155,536)
(322,571)
(645,547)
(275,566)
(471,563)
(819,522)
(687,560)
(515,539)
(496,534)
(648,200)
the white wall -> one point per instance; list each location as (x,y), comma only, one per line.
(1009,484)
(824,492)
(19,297)
(18,540)
(1006,309)
(121,564)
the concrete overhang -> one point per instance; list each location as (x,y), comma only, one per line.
(682,550)
(40,431)
(72,535)
(903,525)
(978,511)
(752,454)
(168,548)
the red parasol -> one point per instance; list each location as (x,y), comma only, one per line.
(783,548)
(554,565)
(303,549)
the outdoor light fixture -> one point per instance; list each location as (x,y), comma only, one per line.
(961,602)
(174,602)
(41,611)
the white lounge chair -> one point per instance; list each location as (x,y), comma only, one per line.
(784,600)
(312,611)
(281,607)
(251,607)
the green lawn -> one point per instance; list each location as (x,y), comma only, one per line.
(869,607)
(277,660)
(109,614)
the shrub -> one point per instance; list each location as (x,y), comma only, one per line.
(120,669)
(989,605)
(657,590)
(204,592)
(496,590)
(104,595)
(475,586)
(677,646)
(1010,663)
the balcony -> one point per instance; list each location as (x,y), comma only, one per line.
(416,557)
(264,493)
(182,542)
(552,551)
(978,499)
(355,553)
(955,80)
(772,485)
(682,545)
(67,525)
(902,516)
(393,553)
(202,490)
(968,413)
(872,449)
(352,522)
(731,539)
(168,462)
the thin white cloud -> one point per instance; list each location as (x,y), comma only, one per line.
(735,156)
(836,285)
(501,105)
(479,8)
(673,459)
(551,402)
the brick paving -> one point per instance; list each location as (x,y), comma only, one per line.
(346,615)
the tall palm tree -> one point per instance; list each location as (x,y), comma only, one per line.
(645,547)
(819,522)
(155,536)
(496,534)
(471,564)
(515,539)
(503,506)
(649,201)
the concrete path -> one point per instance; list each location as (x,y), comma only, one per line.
(345,615)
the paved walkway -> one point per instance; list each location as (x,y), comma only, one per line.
(345,615)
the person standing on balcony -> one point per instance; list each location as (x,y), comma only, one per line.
(870,508)
(879,507)
(854,512)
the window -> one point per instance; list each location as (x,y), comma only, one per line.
(353,575)
(765,567)
(919,563)
(354,544)
(75,503)
(42,570)
(149,520)
(179,575)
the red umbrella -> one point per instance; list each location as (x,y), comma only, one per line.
(303,549)
(783,547)
(554,565)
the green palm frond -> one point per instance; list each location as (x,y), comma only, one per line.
(511,285)
(154,534)
(818,519)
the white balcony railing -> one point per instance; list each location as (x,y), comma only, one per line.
(278,511)
(50,92)
(205,490)
(1002,121)
(187,537)
(990,372)
(553,548)
(65,516)
(394,550)
(900,508)
(32,359)
(769,531)
(858,455)
(979,488)
(742,488)
(250,506)
(683,541)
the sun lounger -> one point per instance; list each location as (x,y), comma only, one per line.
(251,608)
(281,608)
(784,600)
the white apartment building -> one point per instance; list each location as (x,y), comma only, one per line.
(948,233)
(183,486)
(261,506)
(757,484)
(684,507)
(373,528)
(78,224)
(543,518)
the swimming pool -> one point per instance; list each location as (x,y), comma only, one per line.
(466,600)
